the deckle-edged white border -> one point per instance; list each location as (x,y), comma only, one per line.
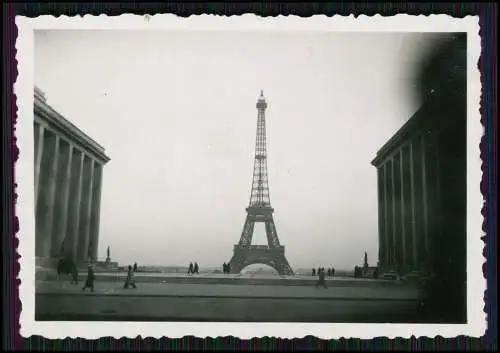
(24,86)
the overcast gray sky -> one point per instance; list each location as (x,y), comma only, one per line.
(176,114)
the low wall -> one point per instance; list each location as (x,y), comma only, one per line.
(234,280)
(42,263)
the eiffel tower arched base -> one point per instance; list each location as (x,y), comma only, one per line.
(246,255)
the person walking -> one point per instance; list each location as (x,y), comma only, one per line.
(321,278)
(89,283)
(129,281)
(196,268)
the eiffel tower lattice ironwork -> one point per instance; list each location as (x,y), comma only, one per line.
(260,210)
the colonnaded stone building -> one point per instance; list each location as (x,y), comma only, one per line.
(422,181)
(68,183)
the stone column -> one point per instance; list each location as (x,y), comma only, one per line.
(59,241)
(393,205)
(381,216)
(85,218)
(403,214)
(424,196)
(48,223)
(39,140)
(96,209)
(82,250)
(386,219)
(74,204)
(413,206)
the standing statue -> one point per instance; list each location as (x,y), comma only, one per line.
(108,258)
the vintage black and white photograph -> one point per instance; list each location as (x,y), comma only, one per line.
(252,176)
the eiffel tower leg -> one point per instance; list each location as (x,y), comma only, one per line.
(247,234)
(237,263)
(283,267)
(272,237)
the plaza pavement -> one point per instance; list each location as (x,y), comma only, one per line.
(230,279)
(222,302)
(230,291)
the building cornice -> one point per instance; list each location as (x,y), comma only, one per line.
(74,134)
(436,112)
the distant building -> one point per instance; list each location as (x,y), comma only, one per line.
(68,183)
(422,177)
(422,181)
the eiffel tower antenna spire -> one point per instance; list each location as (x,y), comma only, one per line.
(259,195)
(260,210)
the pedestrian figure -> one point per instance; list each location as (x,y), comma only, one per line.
(333,271)
(135,266)
(190,269)
(67,266)
(313,272)
(89,283)
(129,281)
(357,271)
(329,273)
(321,279)
(196,268)
(224,268)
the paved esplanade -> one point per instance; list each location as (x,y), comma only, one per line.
(229,290)
(202,302)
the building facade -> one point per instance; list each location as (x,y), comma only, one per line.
(421,191)
(68,184)
(422,177)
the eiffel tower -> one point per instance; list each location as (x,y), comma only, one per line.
(260,210)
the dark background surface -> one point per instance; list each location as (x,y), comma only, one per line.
(444,74)
(488,63)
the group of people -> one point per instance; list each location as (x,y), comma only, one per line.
(329,271)
(226,268)
(193,269)
(129,280)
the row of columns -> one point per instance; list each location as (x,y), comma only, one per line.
(67,198)
(408,188)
